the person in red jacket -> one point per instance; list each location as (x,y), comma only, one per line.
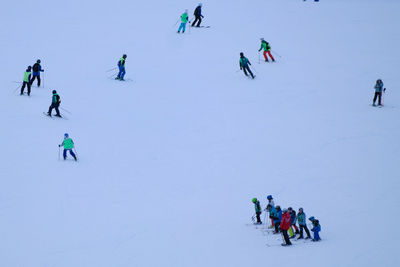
(285,225)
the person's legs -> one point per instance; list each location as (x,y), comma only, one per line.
(57,110)
(375,96)
(50,109)
(198,23)
(248,69)
(33,78)
(245,72)
(269,53)
(286,237)
(181,27)
(119,73)
(184,27)
(194,22)
(301,231)
(123,73)
(258,217)
(23,87)
(65,153)
(72,154)
(29,88)
(379,98)
(265,55)
(307,231)
(38,81)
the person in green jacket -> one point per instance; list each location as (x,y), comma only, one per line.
(184,20)
(55,103)
(68,146)
(27,81)
(244,65)
(267,50)
(257,208)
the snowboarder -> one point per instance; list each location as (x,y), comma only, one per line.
(26,82)
(273,215)
(378,92)
(257,208)
(36,72)
(184,20)
(244,65)
(267,50)
(55,103)
(197,14)
(121,66)
(316,228)
(301,218)
(293,233)
(285,225)
(68,146)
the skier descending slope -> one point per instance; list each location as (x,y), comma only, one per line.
(267,49)
(36,72)
(55,103)
(257,208)
(68,146)
(121,66)
(184,20)
(197,14)
(285,225)
(378,92)
(26,82)
(244,65)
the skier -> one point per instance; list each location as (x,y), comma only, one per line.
(197,14)
(244,65)
(273,215)
(184,20)
(272,203)
(285,225)
(68,146)
(267,49)
(36,72)
(26,82)
(378,92)
(257,208)
(316,228)
(121,66)
(55,103)
(292,213)
(301,218)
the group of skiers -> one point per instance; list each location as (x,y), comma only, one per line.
(284,221)
(31,73)
(185,18)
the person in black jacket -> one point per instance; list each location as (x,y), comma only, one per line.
(55,103)
(197,14)
(36,72)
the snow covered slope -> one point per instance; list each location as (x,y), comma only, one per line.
(169,162)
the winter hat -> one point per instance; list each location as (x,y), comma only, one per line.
(254,200)
(269,197)
(54,91)
(29,67)
(241,54)
(66,135)
(38,61)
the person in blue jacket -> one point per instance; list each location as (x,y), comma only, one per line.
(378,92)
(121,66)
(275,216)
(316,228)
(197,14)
(36,70)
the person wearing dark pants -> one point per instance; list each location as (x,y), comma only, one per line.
(257,208)
(301,218)
(197,14)
(26,81)
(55,103)
(378,92)
(285,225)
(244,65)
(36,72)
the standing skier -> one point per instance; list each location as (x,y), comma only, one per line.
(285,225)
(184,20)
(36,72)
(55,103)
(273,215)
(272,203)
(378,92)
(267,50)
(316,228)
(68,146)
(121,66)
(244,65)
(26,82)
(197,14)
(257,208)
(292,213)
(301,218)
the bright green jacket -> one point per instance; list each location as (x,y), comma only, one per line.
(26,76)
(265,46)
(122,61)
(68,143)
(184,18)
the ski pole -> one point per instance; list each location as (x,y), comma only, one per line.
(16,82)
(252,218)
(43,80)
(58,152)
(265,216)
(275,53)
(76,153)
(176,23)
(17,88)
(113,75)
(65,110)
(111,69)
(258,57)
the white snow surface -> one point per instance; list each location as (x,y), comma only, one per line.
(169,163)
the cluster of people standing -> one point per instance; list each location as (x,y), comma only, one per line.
(285,221)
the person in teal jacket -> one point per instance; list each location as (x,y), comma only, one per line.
(273,214)
(301,219)
(68,144)
(184,20)
(244,65)
(257,208)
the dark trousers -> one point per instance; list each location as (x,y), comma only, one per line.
(55,106)
(70,151)
(38,80)
(248,69)
(198,20)
(286,237)
(379,96)
(27,84)
(306,229)
(276,225)
(258,217)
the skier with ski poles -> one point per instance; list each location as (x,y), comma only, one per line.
(378,92)
(121,66)
(26,81)
(301,218)
(292,233)
(55,103)
(184,20)
(257,208)
(197,14)
(285,225)
(68,144)
(267,50)
(36,72)
(244,65)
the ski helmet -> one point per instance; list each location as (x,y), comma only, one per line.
(38,61)
(290,208)
(278,207)
(124,56)
(301,209)
(262,39)
(312,218)
(269,197)
(29,67)
(66,135)
(285,210)
(254,200)
(54,92)
(241,54)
